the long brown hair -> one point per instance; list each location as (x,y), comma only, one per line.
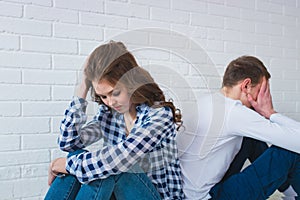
(114,63)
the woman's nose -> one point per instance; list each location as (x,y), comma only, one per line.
(111,101)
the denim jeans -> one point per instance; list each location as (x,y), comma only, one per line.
(124,186)
(259,180)
(251,149)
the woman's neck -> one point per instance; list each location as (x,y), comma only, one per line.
(131,113)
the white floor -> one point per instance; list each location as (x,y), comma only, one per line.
(276,196)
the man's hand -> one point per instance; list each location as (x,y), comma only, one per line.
(263,105)
(56,167)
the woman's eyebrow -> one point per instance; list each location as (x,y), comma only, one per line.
(105,94)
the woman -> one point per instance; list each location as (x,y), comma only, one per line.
(139,158)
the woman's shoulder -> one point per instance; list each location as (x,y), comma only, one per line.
(149,115)
(146,110)
(154,108)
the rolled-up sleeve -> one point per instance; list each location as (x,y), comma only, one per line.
(75,133)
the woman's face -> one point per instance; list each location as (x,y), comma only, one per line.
(115,97)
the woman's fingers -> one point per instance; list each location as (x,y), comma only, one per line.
(51,175)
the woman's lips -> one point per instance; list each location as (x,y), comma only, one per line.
(118,107)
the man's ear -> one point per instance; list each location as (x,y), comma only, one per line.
(246,85)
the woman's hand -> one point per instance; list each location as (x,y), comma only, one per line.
(84,86)
(56,167)
(263,105)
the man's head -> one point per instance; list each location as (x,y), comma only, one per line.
(243,76)
(245,67)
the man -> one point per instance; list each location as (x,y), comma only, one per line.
(243,108)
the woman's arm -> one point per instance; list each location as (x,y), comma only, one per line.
(75,133)
(82,89)
(122,156)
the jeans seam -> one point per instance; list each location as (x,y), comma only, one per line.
(71,189)
(97,192)
(152,192)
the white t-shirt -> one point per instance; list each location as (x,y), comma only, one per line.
(206,153)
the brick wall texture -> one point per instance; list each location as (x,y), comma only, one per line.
(184,44)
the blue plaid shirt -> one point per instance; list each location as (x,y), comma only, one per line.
(150,144)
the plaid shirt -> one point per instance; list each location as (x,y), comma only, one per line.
(150,144)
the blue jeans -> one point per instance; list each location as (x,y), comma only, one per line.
(125,186)
(259,180)
(251,149)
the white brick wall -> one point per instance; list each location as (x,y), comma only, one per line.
(43,45)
